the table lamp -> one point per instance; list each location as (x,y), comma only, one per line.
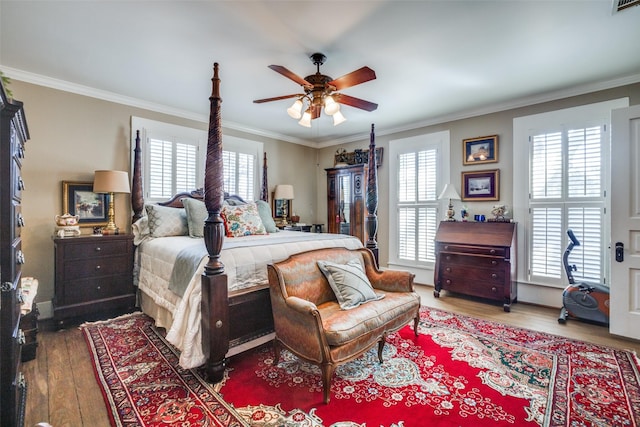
(110,182)
(449,192)
(283,192)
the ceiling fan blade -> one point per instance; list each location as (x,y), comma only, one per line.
(356,77)
(290,75)
(277,98)
(354,102)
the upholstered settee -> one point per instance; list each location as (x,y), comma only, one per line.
(318,309)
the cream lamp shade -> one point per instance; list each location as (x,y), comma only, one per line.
(107,181)
(111,182)
(283,192)
(449,192)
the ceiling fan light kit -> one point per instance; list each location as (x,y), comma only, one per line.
(320,92)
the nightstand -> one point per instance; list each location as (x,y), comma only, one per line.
(93,277)
(305,228)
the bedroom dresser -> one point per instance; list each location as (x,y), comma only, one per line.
(477,259)
(13,136)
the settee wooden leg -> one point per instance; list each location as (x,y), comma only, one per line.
(327,374)
(276,351)
(416,322)
(381,344)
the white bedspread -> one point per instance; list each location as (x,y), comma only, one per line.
(245,261)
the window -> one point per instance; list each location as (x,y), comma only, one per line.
(566,154)
(174,160)
(418,165)
(566,192)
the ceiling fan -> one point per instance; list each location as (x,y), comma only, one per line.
(321,90)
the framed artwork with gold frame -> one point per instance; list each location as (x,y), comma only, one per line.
(79,199)
(481,185)
(480,150)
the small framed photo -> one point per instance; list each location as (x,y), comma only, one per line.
(480,150)
(79,199)
(481,185)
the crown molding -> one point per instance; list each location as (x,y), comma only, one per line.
(66,86)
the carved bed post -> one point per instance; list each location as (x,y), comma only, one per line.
(372,197)
(265,185)
(137,199)
(215,313)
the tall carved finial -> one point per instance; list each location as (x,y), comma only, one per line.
(372,196)
(265,184)
(137,198)
(214,183)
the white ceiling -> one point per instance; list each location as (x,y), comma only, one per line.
(434,60)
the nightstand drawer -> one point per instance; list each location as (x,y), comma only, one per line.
(93,289)
(96,248)
(102,266)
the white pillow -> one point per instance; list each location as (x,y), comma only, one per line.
(349,282)
(165,221)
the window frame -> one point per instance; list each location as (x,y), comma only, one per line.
(440,141)
(566,119)
(166,131)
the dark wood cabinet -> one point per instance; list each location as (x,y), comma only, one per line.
(478,259)
(13,136)
(346,192)
(94,274)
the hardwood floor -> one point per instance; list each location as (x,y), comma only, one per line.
(62,389)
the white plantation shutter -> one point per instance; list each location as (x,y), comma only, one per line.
(171,168)
(566,191)
(174,159)
(239,174)
(417,205)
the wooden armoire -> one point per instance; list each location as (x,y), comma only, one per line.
(13,136)
(346,193)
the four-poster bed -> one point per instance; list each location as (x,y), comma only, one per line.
(219,311)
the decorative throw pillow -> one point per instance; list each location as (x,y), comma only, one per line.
(265,215)
(349,282)
(165,221)
(242,220)
(196,215)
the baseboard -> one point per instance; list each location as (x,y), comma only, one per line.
(531,294)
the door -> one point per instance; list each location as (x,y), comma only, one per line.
(625,222)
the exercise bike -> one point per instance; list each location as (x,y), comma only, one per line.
(584,300)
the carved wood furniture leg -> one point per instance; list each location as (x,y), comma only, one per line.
(327,374)
(381,344)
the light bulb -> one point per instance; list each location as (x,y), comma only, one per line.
(330,106)
(338,118)
(295,111)
(306,119)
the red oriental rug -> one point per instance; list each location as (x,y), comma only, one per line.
(459,371)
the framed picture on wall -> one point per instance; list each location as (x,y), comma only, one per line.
(79,199)
(481,185)
(480,150)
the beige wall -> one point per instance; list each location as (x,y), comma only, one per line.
(73,135)
(500,123)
